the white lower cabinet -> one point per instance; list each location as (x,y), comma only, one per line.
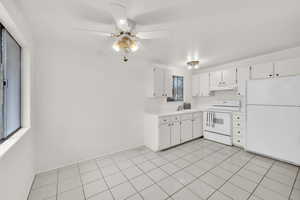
(175,133)
(166,131)
(197,126)
(186,130)
(164,140)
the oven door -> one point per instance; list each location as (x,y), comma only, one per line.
(218,122)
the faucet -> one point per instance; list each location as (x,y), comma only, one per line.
(180,107)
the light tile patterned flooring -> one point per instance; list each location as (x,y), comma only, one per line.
(197,170)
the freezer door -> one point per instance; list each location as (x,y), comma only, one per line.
(277,91)
(274,131)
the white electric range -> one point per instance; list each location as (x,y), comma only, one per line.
(217,121)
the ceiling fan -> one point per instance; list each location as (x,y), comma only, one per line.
(127,38)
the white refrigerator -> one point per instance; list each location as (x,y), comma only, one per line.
(273,118)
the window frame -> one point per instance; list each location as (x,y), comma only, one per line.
(3,136)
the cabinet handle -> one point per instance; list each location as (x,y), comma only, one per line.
(270,75)
(277,74)
(238,117)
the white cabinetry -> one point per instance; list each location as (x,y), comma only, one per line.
(204,84)
(167,131)
(164,136)
(215,79)
(186,128)
(262,71)
(195,85)
(197,125)
(287,67)
(200,85)
(159,82)
(243,75)
(175,133)
(223,80)
(168,79)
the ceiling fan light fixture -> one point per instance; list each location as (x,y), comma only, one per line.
(126,44)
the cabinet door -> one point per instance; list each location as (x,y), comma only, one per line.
(243,74)
(164,136)
(175,133)
(229,77)
(195,85)
(197,127)
(158,81)
(186,130)
(287,67)
(262,71)
(204,84)
(215,79)
(168,80)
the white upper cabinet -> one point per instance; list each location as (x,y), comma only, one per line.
(215,79)
(159,78)
(204,84)
(287,67)
(223,80)
(243,75)
(262,71)
(168,79)
(159,82)
(195,85)
(229,77)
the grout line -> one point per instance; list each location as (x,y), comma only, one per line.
(196,178)
(259,183)
(220,177)
(184,151)
(57,181)
(298,171)
(84,196)
(109,189)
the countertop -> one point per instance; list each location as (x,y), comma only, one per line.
(161,114)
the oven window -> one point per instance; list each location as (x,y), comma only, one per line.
(218,121)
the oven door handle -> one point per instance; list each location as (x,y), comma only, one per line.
(212,119)
(207,119)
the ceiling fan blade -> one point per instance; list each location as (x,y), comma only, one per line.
(91,12)
(118,11)
(93,31)
(152,34)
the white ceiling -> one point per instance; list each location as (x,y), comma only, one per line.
(212,31)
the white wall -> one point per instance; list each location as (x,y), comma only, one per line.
(17,157)
(86,105)
(226,95)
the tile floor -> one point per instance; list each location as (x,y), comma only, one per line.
(197,170)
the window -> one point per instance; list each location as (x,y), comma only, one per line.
(177,89)
(10,85)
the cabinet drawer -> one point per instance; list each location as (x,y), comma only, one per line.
(164,120)
(175,118)
(197,115)
(187,117)
(237,124)
(237,132)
